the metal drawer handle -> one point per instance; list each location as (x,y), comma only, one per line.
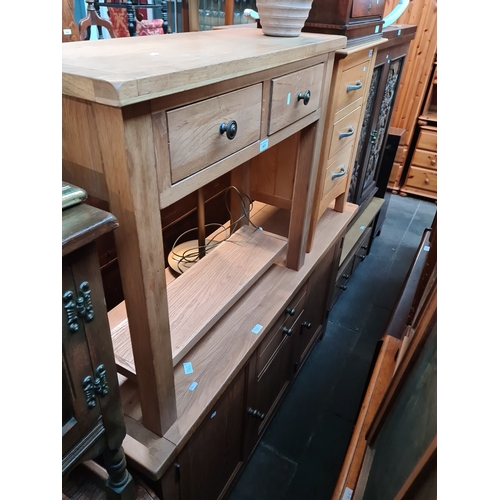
(340,174)
(348,133)
(230,128)
(306,96)
(288,331)
(356,86)
(343,287)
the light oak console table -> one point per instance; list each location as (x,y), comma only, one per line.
(147,121)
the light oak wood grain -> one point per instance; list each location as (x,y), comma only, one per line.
(201,296)
(194,130)
(224,350)
(285,106)
(122,71)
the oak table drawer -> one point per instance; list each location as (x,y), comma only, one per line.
(421,178)
(427,139)
(344,131)
(426,159)
(277,334)
(294,96)
(196,132)
(337,171)
(352,83)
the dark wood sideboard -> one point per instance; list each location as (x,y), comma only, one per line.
(92,417)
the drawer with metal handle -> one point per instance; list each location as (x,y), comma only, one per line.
(338,170)
(352,85)
(344,132)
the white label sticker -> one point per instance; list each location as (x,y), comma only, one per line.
(364,68)
(289,97)
(361,227)
(67,31)
(213,414)
(192,387)
(377,29)
(257,328)
(370,53)
(188,368)
(426,248)
(347,494)
(399,32)
(264,144)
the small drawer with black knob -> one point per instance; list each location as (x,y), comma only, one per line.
(362,250)
(344,274)
(294,96)
(284,327)
(205,132)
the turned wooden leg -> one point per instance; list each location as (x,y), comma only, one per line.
(119,485)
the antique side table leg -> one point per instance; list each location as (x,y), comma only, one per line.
(119,485)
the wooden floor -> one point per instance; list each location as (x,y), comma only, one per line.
(86,482)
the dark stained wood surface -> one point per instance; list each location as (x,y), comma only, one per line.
(82,224)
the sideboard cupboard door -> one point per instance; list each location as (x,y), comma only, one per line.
(315,310)
(78,418)
(207,464)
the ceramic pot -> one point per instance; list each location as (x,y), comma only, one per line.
(283,17)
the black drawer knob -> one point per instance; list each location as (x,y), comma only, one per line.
(307,325)
(346,276)
(256,414)
(306,96)
(230,128)
(362,257)
(343,287)
(290,311)
(288,331)
(365,247)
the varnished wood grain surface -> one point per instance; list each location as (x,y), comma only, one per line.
(82,224)
(204,293)
(121,71)
(223,351)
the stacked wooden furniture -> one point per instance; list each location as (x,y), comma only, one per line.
(400,400)
(420,175)
(147,122)
(92,416)
(419,69)
(359,20)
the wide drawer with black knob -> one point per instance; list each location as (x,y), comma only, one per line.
(294,96)
(284,327)
(203,133)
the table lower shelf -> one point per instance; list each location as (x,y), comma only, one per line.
(198,298)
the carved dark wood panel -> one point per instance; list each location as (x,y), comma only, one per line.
(378,135)
(372,94)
